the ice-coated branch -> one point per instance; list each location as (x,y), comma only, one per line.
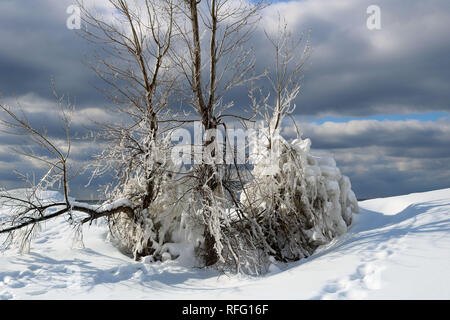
(92,212)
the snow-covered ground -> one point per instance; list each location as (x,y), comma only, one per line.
(396,248)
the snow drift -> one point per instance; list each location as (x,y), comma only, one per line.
(397,248)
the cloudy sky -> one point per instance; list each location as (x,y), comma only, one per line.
(377,100)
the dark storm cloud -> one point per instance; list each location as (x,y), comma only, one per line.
(37,46)
(402,68)
(354,71)
(384,182)
(385,158)
(386,176)
(396,135)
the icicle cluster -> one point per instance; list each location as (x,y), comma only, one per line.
(301,201)
(151,226)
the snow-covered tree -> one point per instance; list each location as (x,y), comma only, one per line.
(280,204)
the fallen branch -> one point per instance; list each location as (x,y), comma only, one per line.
(93,214)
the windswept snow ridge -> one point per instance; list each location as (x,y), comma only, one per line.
(396,248)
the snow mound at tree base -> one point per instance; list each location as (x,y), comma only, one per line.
(385,254)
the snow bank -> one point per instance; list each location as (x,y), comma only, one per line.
(384,255)
(394,205)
